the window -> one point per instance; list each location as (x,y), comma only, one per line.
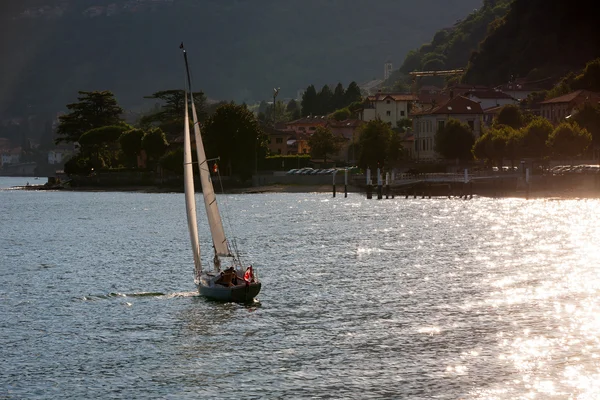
(440,125)
(278,140)
(312,128)
(388,113)
(387,102)
(278,151)
(471,125)
(402,113)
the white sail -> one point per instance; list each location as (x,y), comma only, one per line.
(210,199)
(188,182)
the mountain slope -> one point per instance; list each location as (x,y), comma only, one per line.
(538,37)
(239,49)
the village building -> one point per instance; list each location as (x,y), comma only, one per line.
(388,107)
(427,122)
(557,109)
(490,98)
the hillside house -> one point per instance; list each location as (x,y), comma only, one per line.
(557,109)
(427,122)
(389,107)
(490,98)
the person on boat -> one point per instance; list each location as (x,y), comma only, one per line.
(227,278)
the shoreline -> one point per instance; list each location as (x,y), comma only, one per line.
(282,188)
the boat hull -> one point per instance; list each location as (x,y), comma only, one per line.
(238,294)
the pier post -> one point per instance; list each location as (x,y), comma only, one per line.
(527,183)
(387,185)
(369,186)
(346,182)
(379,185)
(334,172)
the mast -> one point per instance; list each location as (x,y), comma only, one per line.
(190,201)
(220,244)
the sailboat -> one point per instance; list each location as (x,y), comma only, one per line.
(234,283)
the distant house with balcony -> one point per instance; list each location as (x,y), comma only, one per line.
(427,122)
(389,107)
(10,156)
(557,109)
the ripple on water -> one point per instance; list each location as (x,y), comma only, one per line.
(405,298)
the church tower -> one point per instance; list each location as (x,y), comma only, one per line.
(387,69)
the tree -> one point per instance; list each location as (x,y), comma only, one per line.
(412,62)
(495,144)
(131,144)
(454,141)
(352,94)
(569,141)
(154,143)
(373,143)
(233,134)
(395,150)
(589,79)
(324,101)
(93,110)
(100,144)
(510,115)
(309,101)
(169,117)
(341,114)
(588,117)
(534,137)
(293,110)
(322,142)
(404,124)
(338,100)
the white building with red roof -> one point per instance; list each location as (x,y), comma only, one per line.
(490,98)
(389,107)
(427,122)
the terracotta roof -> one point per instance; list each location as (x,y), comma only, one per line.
(493,110)
(488,94)
(437,98)
(345,123)
(567,98)
(309,120)
(392,96)
(456,105)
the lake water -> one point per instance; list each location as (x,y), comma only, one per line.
(403,298)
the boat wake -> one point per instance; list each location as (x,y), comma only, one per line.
(113,295)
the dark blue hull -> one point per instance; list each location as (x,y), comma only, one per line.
(238,294)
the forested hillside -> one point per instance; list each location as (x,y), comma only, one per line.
(239,49)
(451,47)
(537,38)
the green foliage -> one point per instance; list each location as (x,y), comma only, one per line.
(233,134)
(93,110)
(496,144)
(131,144)
(173,161)
(293,110)
(78,165)
(374,141)
(103,135)
(510,115)
(309,101)
(589,79)
(534,137)
(342,114)
(588,117)
(404,124)
(322,142)
(326,101)
(154,143)
(569,141)
(169,116)
(454,141)
(395,150)
(534,36)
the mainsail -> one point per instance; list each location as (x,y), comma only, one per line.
(210,199)
(190,201)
